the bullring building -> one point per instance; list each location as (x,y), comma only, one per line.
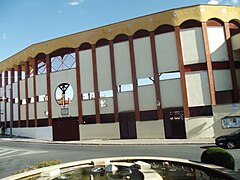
(172,74)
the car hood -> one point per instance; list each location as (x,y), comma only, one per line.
(224,136)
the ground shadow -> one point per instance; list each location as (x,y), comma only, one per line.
(206,147)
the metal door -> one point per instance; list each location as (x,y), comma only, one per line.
(174,123)
(127,125)
(65,129)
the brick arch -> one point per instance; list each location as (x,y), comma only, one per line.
(141,33)
(62,52)
(40,56)
(236,22)
(120,38)
(102,42)
(215,22)
(234,26)
(190,24)
(85,46)
(165,28)
(40,59)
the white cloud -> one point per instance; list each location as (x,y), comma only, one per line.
(215,2)
(4,36)
(235,1)
(75,2)
(227,2)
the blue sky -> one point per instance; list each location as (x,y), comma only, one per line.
(25,22)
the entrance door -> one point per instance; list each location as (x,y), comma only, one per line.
(127,125)
(174,123)
(65,129)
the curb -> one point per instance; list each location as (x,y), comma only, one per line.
(112,142)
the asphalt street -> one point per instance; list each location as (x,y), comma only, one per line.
(18,155)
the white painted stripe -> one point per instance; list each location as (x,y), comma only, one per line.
(33,152)
(3,150)
(9,152)
(22,154)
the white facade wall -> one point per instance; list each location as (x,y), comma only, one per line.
(125,101)
(198,88)
(8,88)
(15,111)
(144,69)
(150,129)
(103,68)
(99,131)
(217,44)
(30,87)
(86,71)
(192,46)
(86,76)
(1,91)
(15,90)
(2,111)
(88,107)
(31,111)
(44,133)
(42,107)
(143,57)
(222,80)
(68,76)
(147,98)
(123,75)
(166,50)
(199,127)
(109,108)
(122,63)
(22,90)
(8,111)
(41,84)
(23,112)
(171,93)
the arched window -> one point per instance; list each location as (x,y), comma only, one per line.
(41,63)
(63,59)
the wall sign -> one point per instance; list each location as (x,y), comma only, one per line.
(64,111)
(231,122)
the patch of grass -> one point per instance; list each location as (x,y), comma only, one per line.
(39,165)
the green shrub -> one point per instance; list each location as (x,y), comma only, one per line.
(218,156)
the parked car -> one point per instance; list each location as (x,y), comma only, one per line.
(230,141)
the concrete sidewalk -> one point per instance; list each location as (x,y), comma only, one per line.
(115,142)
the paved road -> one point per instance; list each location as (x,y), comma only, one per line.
(15,156)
